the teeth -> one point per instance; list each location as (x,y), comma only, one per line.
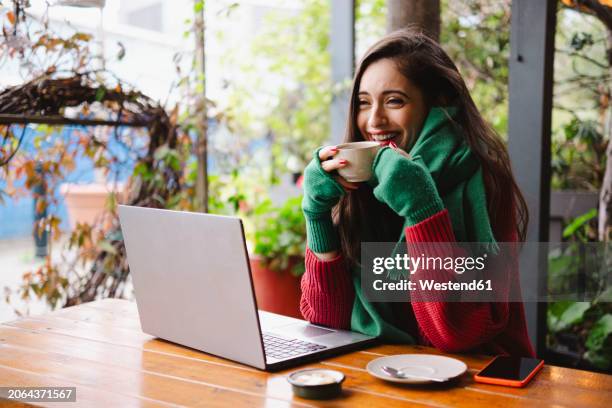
(383,137)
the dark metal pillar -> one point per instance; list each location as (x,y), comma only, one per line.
(342,49)
(533,27)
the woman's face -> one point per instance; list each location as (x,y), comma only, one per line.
(390,108)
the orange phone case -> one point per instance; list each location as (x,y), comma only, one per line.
(505,381)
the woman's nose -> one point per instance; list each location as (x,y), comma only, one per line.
(377,116)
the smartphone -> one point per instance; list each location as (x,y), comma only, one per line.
(509,371)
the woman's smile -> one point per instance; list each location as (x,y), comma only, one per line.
(383,135)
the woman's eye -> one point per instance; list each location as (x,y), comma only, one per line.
(395,101)
(363,102)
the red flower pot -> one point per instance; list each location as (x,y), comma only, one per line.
(276,291)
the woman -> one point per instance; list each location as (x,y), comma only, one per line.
(445,177)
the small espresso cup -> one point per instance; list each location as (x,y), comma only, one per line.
(360,156)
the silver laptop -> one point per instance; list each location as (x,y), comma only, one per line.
(193,287)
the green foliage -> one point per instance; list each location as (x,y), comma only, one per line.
(577,268)
(578,223)
(198,6)
(599,343)
(562,315)
(476,35)
(589,324)
(581,94)
(370,24)
(578,156)
(294,85)
(571,323)
(100,93)
(279,235)
(578,163)
(237,193)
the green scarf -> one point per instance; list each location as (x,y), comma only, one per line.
(458,177)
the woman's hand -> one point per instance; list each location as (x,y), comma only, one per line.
(404,185)
(322,191)
(397,149)
(329,164)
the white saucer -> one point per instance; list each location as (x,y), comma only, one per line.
(427,365)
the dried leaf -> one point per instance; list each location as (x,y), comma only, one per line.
(81,37)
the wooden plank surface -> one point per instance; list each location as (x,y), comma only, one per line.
(99,348)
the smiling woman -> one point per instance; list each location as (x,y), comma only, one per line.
(391,107)
(444,176)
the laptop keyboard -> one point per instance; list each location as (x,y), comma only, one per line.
(280,348)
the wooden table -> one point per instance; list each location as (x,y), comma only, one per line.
(99,349)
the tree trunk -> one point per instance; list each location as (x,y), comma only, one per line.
(424,14)
(605,195)
(201,189)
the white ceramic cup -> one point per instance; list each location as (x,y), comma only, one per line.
(360,156)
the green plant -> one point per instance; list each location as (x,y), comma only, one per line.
(578,156)
(579,227)
(279,235)
(582,329)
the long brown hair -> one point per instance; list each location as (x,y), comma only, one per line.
(428,67)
